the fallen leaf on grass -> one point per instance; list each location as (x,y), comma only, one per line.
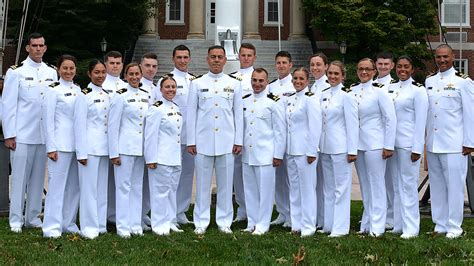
(281,260)
(299,256)
(74,238)
(370,258)
(53,247)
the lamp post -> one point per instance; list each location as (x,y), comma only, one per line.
(343,49)
(103,47)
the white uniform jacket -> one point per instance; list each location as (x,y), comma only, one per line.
(385,81)
(112,84)
(164,123)
(264,129)
(127,122)
(320,85)
(149,86)
(215,118)
(411,108)
(59,116)
(24,90)
(303,119)
(90,122)
(450,120)
(245,76)
(282,87)
(340,132)
(377,119)
(183,80)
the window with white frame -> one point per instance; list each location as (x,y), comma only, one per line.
(175,11)
(461,65)
(271,12)
(455,13)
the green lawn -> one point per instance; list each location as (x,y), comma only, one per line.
(277,247)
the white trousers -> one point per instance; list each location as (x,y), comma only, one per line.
(282,190)
(146,207)
(390,189)
(371,171)
(337,192)
(320,193)
(239,187)
(394,212)
(111,194)
(28,168)
(185,186)
(128,194)
(163,186)
(302,177)
(259,187)
(407,186)
(93,180)
(62,199)
(447,172)
(224,168)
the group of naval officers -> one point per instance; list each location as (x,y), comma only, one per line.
(126,152)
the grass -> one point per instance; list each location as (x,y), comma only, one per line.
(277,247)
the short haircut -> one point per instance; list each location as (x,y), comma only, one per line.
(34,35)
(261,70)
(181,47)
(304,69)
(445,46)
(113,54)
(283,54)
(65,57)
(150,56)
(321,55)
(214,47)
(127,67)
(250,46)
(384,55)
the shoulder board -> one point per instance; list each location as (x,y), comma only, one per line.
(355,84)
(273,81)
(121,91)
(192,74)
(393,81)
(273,97)
(325,89)
(143,90)
(308,93)
(16,66)
(432,74)
(54,84)
(417,84)
(195,77)
(237,78)
(378,85)
(86,90)
(105,91)
(158,103)
(346,89)
(51,66)
(462,75)
(246,96)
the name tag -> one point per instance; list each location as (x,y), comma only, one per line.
(97,100)
(228,90)
(390,91)
(144,100)
(109,91)
(430,88)
(131,100)
(177,113)
(204,90)
(49,80)
(29,78)
(449,89)
(179,86)
(325,99)
(287,94)
(245,109)
(67,94)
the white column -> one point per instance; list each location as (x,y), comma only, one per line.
(250,15)
(196,19)
(151,27)
(297,28)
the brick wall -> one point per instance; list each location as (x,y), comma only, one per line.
(173,31)
(271,32)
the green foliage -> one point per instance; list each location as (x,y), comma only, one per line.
(371,26)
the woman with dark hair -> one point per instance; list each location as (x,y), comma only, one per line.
(377,125)
(62,199)
(92,150)
(303,118)
(126,129)
(411,108)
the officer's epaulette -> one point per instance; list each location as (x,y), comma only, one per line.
(355,84)
(346,89)
(143,90)
(105,91)
(86,90)
(54,84)
(273,81)
(462,75)
(195,77)
(417,84)
(308,93)
(158,103)
(378,85)
(121,90)
(393,81)
(51,66)
(246,96)
(237,78)
(325,89)
(273,97)
(16,66)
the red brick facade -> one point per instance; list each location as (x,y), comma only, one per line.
(271,32)
(173,31)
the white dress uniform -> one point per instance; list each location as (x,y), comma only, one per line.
(185,185)
(377,126)
(245,76)
(264,139)
(90,132)
(23,95)
(449,127)
(282,88)
(411,108)
(111,85)
(214,125)
(126,125)
(303,119)
(62,199)
(164,123)
(318,86)
(338,139)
